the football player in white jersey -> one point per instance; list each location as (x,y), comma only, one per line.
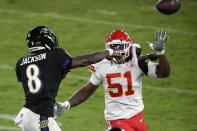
(122,83)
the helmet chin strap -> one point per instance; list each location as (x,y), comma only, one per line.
(37,48)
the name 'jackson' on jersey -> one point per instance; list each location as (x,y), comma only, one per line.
(41,75)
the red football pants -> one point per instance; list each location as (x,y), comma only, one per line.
(135,123)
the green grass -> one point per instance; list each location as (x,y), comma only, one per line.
(82,28)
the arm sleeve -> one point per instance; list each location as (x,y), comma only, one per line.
(151,69)
(147,66)
(65,59)
(94,79)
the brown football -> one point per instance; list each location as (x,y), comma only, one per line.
(168,6)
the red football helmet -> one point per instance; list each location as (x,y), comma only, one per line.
(120,42)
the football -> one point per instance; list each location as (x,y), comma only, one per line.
(168,6)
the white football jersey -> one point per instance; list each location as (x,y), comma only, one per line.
(122,85)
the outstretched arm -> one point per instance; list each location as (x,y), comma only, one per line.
(88,59)
(79,97)
(163,69)
(82,94)
(92,58)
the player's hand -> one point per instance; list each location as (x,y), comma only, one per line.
(114,55)
(61,108)
(159,43)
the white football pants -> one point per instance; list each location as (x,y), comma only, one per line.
(30,121)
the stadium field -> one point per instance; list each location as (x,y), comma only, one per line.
(82,27)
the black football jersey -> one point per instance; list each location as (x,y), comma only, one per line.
(41,75)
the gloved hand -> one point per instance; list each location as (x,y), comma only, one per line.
(159,43)
(61,108)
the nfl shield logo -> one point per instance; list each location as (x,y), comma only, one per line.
(131,64)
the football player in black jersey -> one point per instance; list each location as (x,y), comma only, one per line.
(123,83)
(41,74)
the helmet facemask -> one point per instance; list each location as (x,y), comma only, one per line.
(120,42)
(120,47)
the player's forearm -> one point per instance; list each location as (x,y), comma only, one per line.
(164,67)
(82,95)
(92,58)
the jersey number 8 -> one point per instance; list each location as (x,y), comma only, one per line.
(34,83)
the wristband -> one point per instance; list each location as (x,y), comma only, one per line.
(160,52)
(67,105)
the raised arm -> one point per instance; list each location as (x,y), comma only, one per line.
(163,69)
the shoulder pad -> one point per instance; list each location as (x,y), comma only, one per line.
(138,52)
(136,45)
(143,64)
(138,49)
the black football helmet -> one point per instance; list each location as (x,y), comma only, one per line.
(115,129)
(41,38)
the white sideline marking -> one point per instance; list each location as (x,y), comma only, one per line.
(12,117)
(144,86)
(7,116)
(103,12)
(170,89)
(6,67)
(6,21)
(3,128)
(64,17)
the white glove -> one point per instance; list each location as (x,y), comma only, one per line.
(159,43)
(61,108)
